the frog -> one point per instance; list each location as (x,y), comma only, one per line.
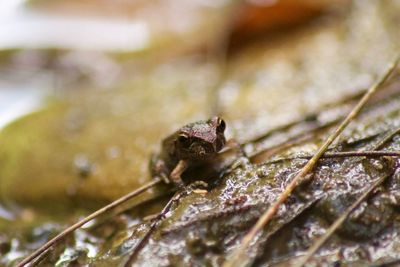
(193,144)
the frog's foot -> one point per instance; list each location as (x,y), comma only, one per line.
(164,178)
(180,185)
(202,192)
(240,162)
(176,173)
(198,187)
(159,169)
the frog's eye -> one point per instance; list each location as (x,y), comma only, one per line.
(183,139)
(221,125)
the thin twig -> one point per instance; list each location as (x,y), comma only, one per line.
(146,202)
(368,154)
(338,222)
(392,262)
(178,195)
(387,138)
(312,118)
(95,214)
(318,244)
(259,156)
(238,255)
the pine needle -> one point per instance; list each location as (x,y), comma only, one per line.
(345,154)
(95,214)
(238,257)
(338,222)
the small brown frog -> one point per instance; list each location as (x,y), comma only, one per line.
(191,145)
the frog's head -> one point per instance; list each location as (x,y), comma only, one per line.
(201,140)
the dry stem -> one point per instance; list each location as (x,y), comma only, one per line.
(95,214)
(238,256)
(338,222)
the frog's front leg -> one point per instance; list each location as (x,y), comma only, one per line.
(177,172)
(159,169)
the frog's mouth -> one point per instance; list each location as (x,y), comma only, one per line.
(199,151)
(202,151)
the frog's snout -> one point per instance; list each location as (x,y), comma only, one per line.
(203,151)
(197,149)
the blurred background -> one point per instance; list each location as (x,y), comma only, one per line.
(89,88)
